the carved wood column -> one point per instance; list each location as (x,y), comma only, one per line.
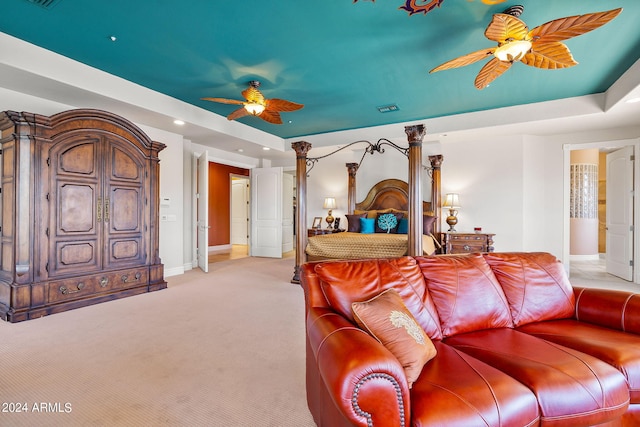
(436,195)
(351,200)
(301,148)
(415,135)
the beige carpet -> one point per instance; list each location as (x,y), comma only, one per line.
(221,349)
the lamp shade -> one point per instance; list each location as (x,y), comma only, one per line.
(513,51)
(451,201)
(329,203)
(254,108)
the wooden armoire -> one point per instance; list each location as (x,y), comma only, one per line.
(80,195)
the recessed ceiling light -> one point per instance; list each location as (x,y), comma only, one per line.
(178,122)
(266,148)
(633,100)
(240,150)
(113,38)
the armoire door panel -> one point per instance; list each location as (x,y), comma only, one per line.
(123,166)
(76,253)
(77,205)
(125,249)
(77,159)
(125,210)
(124,252)
(71,256)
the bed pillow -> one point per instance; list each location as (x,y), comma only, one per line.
(403,226)
(388,222)
(427,223)
(367,225)
(388,320)
(353,222)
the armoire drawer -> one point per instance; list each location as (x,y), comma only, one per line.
(82,287)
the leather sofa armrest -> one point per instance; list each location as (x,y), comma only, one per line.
(609,308)
(365,381)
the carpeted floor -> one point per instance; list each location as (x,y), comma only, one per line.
(221,349)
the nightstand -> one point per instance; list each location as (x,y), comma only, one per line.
(463,243)
(317,231)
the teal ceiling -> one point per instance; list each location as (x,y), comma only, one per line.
(341,59)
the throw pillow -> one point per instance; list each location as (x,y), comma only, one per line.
(389,321)
(403,226)
(535,285)
(353,222)
(427,223)
(367,225)
(388,222)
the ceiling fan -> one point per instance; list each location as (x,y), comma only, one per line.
(540,47)
(256,105)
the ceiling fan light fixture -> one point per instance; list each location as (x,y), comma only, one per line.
(512,51)
(254,108)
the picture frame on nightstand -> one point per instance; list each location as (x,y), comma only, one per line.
(317,222)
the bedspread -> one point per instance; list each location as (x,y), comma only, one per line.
(358,245)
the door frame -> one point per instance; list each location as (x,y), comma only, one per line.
(567,148)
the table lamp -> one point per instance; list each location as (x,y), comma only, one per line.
(452,203)
(329,203)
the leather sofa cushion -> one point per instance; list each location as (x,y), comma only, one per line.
(457,390)
(346,282)
(388,320)
(618,349)
(572,388)
(465,292)
(535,284)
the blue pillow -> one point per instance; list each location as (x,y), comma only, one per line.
(367,225)
(403,226)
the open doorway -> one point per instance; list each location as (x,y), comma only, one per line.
(240,208)
(601,213)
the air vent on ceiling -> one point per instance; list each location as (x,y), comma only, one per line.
(388,108)
(47,4)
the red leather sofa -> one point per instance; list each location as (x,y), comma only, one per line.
(515,345)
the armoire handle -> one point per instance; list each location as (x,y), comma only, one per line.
(99,210)
(106,210)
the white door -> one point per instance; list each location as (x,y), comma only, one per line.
(287,213)
(266,212)
(239,211)
(619,224)
(202,197)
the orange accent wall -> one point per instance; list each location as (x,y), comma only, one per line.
(220,202)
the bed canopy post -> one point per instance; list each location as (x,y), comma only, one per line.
(415,134)
(352,168)
(436,195)
(301,148)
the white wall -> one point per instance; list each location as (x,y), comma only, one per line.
(171,187)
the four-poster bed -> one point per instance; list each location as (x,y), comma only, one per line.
(385,196)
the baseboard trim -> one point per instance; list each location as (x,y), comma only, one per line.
(176,271)
(594,257)
(219,248)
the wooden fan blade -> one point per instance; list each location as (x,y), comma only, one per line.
(253,95)
(467,59)
(276,104)
(224,101)
(492,70)
(571,26)
(271,117)
(240,112)
(549,56)
(504,27)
